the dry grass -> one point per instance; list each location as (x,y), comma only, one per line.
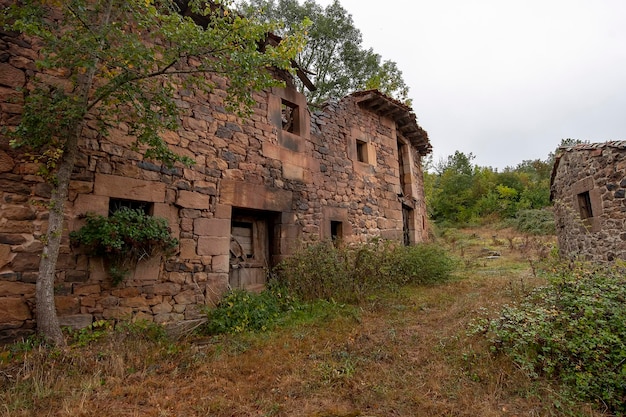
(403,355)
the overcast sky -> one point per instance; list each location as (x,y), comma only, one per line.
(503,79)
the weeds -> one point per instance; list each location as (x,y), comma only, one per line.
(351,274)
(573,331)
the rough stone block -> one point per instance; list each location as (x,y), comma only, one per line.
(76,321)
(25,262)
(185,297)
(162,308)
(11,288)
(117,313)
(67,305)
(255,196)
(129,188)
(5,255)
(148,269)
(166,288)
(211,246)
(193,200)
(135,302)
(6,162)
(187,249)
(14,309)
(220,264)
(87,289)
(11,76)
(89,203)
(223,211)
(211,227)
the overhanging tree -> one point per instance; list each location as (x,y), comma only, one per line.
(333,56)
(123,61)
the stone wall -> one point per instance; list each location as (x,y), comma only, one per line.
(337,174)
(589,190)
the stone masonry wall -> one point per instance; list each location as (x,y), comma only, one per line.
(600,171)
(305,179)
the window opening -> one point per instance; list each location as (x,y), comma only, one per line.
(289,116)
(117,203)
(336,231)
(401,163)
(361,151)
(584,203)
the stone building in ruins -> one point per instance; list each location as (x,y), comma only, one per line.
(588,188)
(286,175)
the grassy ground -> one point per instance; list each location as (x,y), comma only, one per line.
(407,354)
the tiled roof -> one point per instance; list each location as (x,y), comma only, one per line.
(403,115)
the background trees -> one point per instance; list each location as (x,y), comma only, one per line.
(106,62)
(459,192)
(333,56)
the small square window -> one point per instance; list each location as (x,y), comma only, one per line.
(361,151)
(117,203)
(290,117)
(584,204)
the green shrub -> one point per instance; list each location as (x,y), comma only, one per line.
(124,238)
(535,222)
(424,264)
(241,311)
(350,274)
(572,330)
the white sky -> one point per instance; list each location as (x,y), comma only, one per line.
(505,79)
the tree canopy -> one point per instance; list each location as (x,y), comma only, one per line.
(124,61)
(459,192)
(334,56)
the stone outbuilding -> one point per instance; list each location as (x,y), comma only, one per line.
(588,188)
(286,175)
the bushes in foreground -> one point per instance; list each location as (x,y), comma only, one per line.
(321,276)
(572,330)
(350,274)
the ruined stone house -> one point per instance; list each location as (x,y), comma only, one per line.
(588,189)
(286,175)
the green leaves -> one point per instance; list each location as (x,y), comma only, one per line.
(124,61)
(124,238)
(574,331)
(333,56)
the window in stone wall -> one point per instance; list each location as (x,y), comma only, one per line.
(290,117)
(361,151)
(584,204)
(117,203)
(336,231)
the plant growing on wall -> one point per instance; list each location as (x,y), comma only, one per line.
(123,239)
(106,62)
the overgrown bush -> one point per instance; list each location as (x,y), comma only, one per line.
(534,222)
(351,273)
(239,311)
(124,238)
(572,330)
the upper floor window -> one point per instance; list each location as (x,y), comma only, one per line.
(584,204)
(290,117)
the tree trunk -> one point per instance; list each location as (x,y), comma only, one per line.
(47,320)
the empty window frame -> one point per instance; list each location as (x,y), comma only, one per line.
(584,205)
(290,115)
(361,151)
(117,203)
(336,231)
